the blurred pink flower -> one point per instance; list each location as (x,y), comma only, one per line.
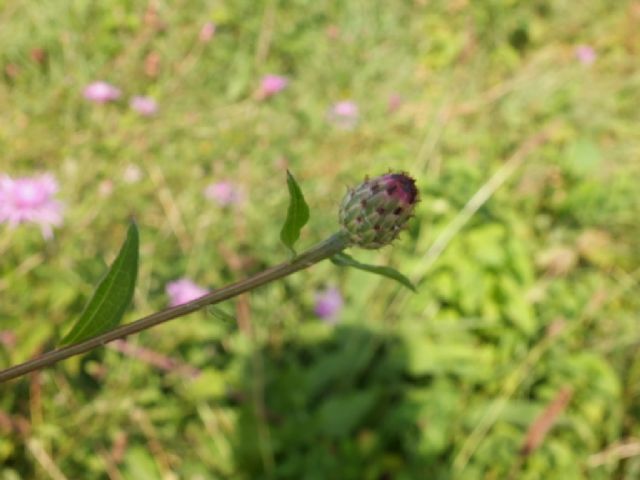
(183,290)
(101,92)
(394,103)
(145,106)
(154,358)
(8,338)
(585,54)
(105,188)
(272,84)
(224,193)
(30,200)
(344,114)
(132,174)
(328,304)
(207,32)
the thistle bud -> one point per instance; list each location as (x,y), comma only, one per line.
(375,212)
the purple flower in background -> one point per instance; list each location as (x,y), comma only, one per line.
(105,188)
(344,114)
(394,103)
(224,193)
(8,338)
(207,32)
(585,54)
(30,200)
(132,174)
(183,291)
(328,304)
(145,106)
(345,109)
(272,84)
(101,92)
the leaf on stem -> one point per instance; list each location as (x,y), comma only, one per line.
(297,214)
(220,314)
(344,260)
(113,294)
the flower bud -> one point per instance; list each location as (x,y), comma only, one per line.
(374,213)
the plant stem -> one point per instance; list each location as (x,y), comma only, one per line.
(325,249)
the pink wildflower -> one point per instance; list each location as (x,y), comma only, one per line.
(30,200)
(8,338)
(272,84)
(132,174)
(183,290)
(344,114)
(145,106)
(585,54)
(207,32)
(224,193)
(101,92)
(394,102)
(154,358)
(328,304)
(105,188)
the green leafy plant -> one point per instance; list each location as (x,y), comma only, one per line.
(371,216)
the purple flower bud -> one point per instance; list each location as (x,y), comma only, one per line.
(183,291)
(376,211)
(101,92)
(328,304)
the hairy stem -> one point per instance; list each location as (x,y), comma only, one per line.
(329,247)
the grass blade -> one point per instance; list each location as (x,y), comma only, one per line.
(113,294)
(297,214)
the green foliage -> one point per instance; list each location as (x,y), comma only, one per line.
(536,292)
(112,295)
(344,260)
(297,214)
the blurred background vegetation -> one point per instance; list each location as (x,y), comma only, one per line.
(517,358)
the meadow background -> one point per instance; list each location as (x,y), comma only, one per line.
(517,358)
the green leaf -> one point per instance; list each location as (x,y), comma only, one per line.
(297,215)
(344,260)
(112,296)
(341,414)
(220,314)
(583,157)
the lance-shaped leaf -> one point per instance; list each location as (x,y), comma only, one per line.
(344,260)
(297,214)
(220,314)
(113,294)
